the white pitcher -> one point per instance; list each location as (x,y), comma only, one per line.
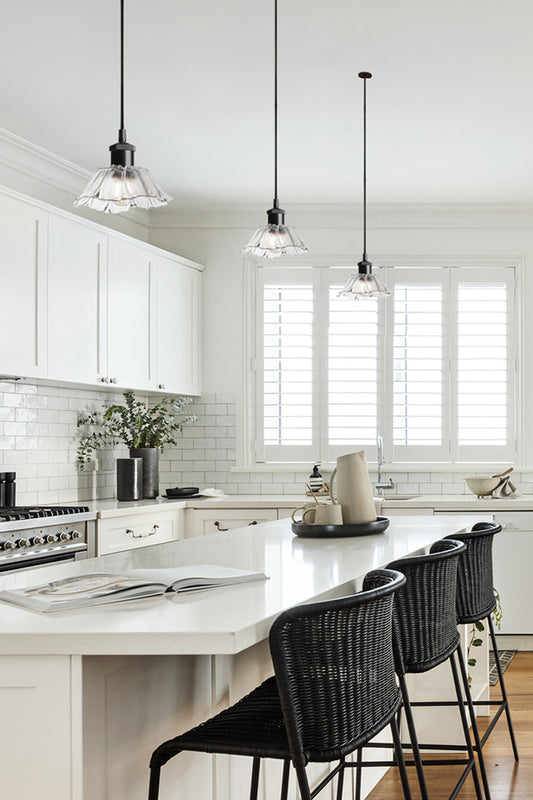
(354,492)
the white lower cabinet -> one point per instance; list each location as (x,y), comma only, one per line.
(41,696)
(133,530)
(200,521)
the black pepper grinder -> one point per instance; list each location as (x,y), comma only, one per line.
(10,491)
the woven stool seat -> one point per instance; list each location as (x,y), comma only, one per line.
(254,723)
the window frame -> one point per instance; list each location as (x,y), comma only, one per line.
(250,453)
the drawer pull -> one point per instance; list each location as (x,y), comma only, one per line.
(254,522)
(142,535)
(216,523)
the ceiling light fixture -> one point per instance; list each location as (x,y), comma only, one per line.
(122,186)
(364,283)
(275,238)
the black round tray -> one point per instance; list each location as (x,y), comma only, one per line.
(337,531)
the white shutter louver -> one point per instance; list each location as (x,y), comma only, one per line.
(352,370)
(288,364)
(417,365)
(482,364)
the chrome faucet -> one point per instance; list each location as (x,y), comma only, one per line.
(380,486)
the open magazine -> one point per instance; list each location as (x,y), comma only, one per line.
(98,588)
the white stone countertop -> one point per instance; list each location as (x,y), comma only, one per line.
(223,620)
(461,502)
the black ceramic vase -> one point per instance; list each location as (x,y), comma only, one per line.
(129,479)
(150,457)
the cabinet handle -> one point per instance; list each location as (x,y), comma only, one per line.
(142,535)
(216,523)
(254,522)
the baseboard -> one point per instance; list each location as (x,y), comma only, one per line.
(516,641)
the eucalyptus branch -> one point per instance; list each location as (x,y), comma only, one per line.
(133,424)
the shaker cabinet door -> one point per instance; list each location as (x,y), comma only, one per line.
(76,302)
(178,327)
(23,234)
(130,315)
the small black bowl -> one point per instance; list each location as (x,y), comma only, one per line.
(184,492)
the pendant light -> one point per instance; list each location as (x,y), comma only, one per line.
(364,283)
(122,185)
(275,238)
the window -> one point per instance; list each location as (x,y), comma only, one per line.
(431,368)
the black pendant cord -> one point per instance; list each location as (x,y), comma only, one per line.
(122,134)
(275,103)
(365,265)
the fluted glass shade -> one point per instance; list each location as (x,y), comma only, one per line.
(116,189)
(271,241)
(360,285)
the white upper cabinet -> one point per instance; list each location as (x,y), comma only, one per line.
(130,315)
(77,279)
(177,327)
(83,304)
(23,237)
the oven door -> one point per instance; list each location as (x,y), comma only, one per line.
(42,557)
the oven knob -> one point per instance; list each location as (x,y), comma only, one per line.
(75,535)
(8,545)
(22,543)
(64,537)
(49,538)
(37,540)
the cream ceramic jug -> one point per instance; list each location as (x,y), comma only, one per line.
(354,492)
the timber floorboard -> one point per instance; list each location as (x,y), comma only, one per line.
(508,779)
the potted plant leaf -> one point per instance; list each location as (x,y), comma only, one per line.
(145,430)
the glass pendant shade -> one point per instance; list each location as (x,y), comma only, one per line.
(272,241)
(116,189)
(363,284)
(122,186)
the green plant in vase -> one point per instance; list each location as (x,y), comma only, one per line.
(145,430)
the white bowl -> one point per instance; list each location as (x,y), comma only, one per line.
(482,486)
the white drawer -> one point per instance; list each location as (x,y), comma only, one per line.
(200,522)
(138,530)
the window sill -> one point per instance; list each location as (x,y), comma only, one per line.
(463,467)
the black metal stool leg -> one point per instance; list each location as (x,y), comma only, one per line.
(401,763)
(254,786)
(285,780)
(303,783)
(340,782)
(358,774)
(413,737)
(475,731)
(153,790)
(466,729)
(502,687)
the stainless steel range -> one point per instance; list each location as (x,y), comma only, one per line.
(32,536)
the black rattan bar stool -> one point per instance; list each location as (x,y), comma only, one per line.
(476,602)
(426,631)
(334,689)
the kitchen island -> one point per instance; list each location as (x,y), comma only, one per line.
(86,695)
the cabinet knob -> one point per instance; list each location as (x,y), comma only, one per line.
(104,380)
(162,386)
(112,380)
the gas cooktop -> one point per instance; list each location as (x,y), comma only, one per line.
(38,512)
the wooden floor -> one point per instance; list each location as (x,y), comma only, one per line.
(509,780)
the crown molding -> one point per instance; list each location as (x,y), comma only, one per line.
(21,156)
(348,216)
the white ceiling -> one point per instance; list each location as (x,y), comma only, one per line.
(450,107)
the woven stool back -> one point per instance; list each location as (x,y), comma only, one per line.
(424,609)
(475,592)
(334,668)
